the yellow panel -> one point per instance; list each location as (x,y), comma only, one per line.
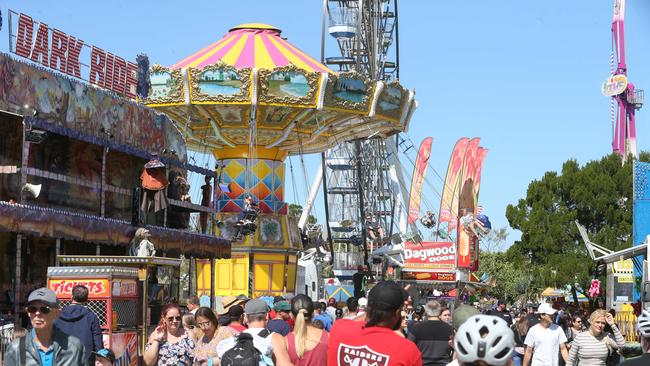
(203,277)
(240,277)
(277,283)
(224,275)
(262,276)
(291,277)
(269,257)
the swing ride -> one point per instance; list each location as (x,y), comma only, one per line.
(252,99)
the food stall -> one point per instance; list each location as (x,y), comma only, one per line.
(118,293)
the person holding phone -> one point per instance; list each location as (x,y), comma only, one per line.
(169,344)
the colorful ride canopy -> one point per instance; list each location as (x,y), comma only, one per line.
(252,77)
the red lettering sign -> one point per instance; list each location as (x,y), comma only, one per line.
(25,34)
(97,66)
(96,288)
(41,45)
(59,49)
(74,50)
(429,276)
(62,53)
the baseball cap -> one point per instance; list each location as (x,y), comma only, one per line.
(282,306)
(44,295)
(387,295)
(546,308)
(106,353)
(461,314)
(256,306)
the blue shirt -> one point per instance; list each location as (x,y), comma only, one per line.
(47,357)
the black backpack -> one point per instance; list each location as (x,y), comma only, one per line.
(244,352)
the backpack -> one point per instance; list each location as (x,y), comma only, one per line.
(244,352)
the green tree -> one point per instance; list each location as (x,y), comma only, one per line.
(598,195)
(510,281)
(295,210)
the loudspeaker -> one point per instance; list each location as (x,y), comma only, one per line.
(136,200)
(33,189)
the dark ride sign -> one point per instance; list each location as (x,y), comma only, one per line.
(54,49)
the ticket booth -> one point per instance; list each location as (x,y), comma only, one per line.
(112,296)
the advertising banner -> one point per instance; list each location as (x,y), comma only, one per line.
(429,257)
(429,276)
(421,164)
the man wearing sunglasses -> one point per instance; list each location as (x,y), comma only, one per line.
(44,345)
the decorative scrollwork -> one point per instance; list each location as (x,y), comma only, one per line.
(344,88)
(242,82)
(267,95)
(171,92)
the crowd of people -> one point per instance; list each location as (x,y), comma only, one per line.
(383,328)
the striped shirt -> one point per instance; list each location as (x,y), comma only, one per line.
(588,350)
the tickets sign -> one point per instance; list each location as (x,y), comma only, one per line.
(429,256)
(96,288)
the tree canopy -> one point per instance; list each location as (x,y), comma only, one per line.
(599,195)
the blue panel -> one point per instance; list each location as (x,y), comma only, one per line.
(641,223)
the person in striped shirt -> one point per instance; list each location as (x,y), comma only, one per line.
(591,348)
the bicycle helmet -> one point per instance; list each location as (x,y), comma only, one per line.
(643,324)
(487,338)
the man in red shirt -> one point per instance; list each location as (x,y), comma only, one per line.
(373,341)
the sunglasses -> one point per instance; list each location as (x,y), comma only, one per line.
(172,318)
(204,324)
(42,309)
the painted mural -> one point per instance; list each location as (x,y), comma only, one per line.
(76,106)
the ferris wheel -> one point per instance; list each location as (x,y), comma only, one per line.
(364,205)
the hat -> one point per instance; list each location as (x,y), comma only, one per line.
(387,295)
(106,353)
(288,297)
(229,301)
(235,311)
(44,295)
(277,299)
(256,306)
(462,313)
(363,302)
(501,302)
(282,306)
(546,308)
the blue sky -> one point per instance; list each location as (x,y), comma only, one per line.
(523,75)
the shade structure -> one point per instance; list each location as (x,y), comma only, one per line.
(253,45)
(553,292)
(253,89)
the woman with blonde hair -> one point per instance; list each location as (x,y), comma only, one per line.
(593,346)
(307,345)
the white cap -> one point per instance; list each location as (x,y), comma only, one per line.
(546,308)
(363,302)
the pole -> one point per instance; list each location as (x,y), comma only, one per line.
(57,252)
(315,185)
(322,38)
(362,217)
(212,282)
(17,285)
(327,209)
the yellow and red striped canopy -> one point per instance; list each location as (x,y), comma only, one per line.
(252,45)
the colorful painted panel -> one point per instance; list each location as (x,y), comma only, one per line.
(79,107)
(349,91)
(161,84)
(261,178)
(219,82)
(288,84)
(391,101)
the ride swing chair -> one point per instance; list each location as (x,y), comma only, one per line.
(246,225)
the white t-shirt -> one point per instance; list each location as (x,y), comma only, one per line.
(263,345)
(546,344)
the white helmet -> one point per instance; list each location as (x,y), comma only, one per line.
(485,337)
(643,324)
